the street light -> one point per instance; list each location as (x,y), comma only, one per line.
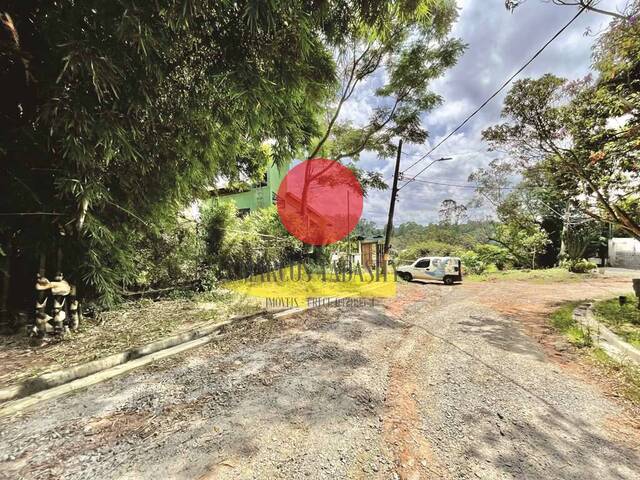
(394,197)
(443,159)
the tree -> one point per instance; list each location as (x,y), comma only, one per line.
(114,115)
(410,44)
(412,47)
(524,241)
(564,126)
(239,247)
(492,182)
(537,198)
(367,228)
(590,5)
(451,212)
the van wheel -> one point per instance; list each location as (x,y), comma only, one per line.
(407,277)
(448,280)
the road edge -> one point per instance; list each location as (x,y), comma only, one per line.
(54,384)
(608,341)
(60,377)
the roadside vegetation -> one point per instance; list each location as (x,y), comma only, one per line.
(626,376)
(119,116)
(563,321)
(623,320)
(541,276)
(482,256)
(118,125)
(131,324)
(565,177)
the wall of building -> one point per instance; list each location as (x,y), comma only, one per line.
(624,253)
(259,197)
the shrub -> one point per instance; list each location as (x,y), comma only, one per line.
(254,243)
(471,262)
(579,266)
(494,254)
(562,320)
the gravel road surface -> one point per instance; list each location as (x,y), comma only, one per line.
(441,382)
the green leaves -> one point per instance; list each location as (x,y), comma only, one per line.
(583,135)
(410,45)
(120,113)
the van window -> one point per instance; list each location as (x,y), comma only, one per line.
(423,264)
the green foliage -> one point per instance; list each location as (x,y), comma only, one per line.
(523,241)
(216,218)
(494,255)
(168,256)
(562,320)
(536,200)
(544,276)
(115,115)
(463,236)
(430,248)
(579,266)
(254,243)
(410,42)
(585,133)
(367,228)
(624,320)
(615,314)
(472,263)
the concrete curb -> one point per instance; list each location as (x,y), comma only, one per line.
(58,383)
(16,406)
(606,339)
(66,375)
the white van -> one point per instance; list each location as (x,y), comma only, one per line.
(445,269)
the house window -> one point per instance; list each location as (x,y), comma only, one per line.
(423,264)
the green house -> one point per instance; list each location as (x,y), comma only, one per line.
(261,195)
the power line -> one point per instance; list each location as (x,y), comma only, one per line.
(475,187)
(452,184)
(495,94)
(579,221)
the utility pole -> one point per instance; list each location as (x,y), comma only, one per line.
(348,236)
(392,207)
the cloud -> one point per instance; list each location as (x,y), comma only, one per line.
(499,44)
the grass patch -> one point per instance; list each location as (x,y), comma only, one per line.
(562,320)
(549,275)
(622,320)
(627,376)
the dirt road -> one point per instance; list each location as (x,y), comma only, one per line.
(442,382)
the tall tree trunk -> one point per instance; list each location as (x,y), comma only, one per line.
(565,230)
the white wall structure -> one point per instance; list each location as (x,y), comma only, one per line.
(624,253)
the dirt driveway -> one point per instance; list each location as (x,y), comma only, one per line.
(442,382)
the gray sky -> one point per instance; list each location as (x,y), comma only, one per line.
(499,44)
